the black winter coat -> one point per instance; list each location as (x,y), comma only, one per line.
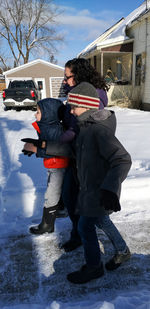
(102,162)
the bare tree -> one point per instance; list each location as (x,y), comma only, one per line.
(28,27)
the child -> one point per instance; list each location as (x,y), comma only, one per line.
(49,128)
(102,165)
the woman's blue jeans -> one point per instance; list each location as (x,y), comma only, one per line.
(87,231)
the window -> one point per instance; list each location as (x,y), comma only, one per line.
(138,66)
(40,84)
(21,84)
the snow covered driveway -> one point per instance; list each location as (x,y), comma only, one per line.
(32,268)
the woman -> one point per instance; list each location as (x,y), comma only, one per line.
(80,70)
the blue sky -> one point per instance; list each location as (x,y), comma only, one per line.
(83,21)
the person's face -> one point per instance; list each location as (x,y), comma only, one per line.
(77,111)
(38,114)
(69,77)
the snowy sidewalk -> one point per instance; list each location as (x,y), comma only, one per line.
(32,268)
(35,269)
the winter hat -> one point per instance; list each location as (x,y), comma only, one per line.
(84,95)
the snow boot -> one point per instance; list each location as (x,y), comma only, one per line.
(86,274)
(47,223)
(118,259)
(71,244)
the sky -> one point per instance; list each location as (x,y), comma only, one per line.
(33,269)
(83,21)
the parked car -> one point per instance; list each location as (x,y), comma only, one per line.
(21,94)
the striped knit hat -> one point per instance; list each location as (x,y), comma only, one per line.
(84,95)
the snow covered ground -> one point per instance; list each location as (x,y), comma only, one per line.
(32,268)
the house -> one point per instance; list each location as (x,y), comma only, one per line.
(48,77)
(139,28)
(122,55)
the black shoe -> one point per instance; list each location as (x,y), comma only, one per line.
(71,245)
(86,274)
(118,259)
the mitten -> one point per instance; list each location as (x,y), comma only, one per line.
(27,153)
(35,142)
(109,200)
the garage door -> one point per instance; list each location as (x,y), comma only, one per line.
(56,87)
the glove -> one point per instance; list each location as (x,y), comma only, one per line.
(109,200)
(35,142)
(27,153)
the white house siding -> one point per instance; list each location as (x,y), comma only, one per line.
(138,31)
(146,98)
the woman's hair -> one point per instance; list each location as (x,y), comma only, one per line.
(84,72)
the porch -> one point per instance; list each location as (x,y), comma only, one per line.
(115,63)
(125,96)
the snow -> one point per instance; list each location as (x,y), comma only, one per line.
(33,269)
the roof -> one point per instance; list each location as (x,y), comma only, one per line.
(32,63)
(101,38)
(142,15)
(118,33)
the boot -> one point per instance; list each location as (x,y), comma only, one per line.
(47,223)
(86,274)
(75,240)
(71,244)
(118,259)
